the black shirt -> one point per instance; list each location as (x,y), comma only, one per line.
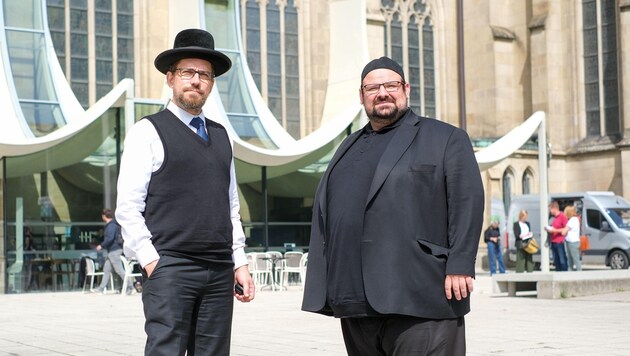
(348,186)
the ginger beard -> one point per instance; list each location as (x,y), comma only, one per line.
(190,94)
(191,99)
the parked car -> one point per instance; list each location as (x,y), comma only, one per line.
(605,220)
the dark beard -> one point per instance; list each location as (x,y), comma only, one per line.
(392,117)
(374,115)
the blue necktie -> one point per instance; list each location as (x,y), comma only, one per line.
(198,124)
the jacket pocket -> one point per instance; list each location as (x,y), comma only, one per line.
(433,249)
(425,168)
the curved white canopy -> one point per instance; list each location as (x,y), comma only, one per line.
(508,144)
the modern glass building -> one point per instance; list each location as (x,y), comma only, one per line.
(75,75)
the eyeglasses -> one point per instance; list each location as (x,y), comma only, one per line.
(390,87)
(189,73)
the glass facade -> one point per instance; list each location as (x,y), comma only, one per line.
(288,216)
(51,200)
(53,210)
(236,99)
(31,76)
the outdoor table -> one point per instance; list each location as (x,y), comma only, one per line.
(274,284)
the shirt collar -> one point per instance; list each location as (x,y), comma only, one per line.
(182,114)
(367,129)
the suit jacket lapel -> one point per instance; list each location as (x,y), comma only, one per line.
(404,136)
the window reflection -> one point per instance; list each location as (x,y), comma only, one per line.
(31,75)
(252,24)
(42,118)
(250,130)
(27,53)
(233,89)
(620,216)
(23,14)
(238,104)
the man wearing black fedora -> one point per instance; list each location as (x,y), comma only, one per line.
(179,209)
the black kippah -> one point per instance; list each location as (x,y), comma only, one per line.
(383,62)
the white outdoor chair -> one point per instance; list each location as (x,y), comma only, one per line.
(128,265)
(250,263)
(291,265)
(261,271)
(90,272)
(303,264)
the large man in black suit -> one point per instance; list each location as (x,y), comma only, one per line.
(396,225)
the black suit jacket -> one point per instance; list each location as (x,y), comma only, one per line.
(423,220)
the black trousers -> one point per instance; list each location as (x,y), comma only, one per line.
(188,307)
(403,335)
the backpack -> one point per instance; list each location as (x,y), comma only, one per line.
(119,237)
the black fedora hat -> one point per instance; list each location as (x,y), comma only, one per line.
(193,43)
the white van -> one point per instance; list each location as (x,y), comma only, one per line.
(605,219)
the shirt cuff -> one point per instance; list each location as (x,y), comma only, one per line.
(239,258)
(147,254)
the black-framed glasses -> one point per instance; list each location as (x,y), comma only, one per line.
(189,73)
(390,87)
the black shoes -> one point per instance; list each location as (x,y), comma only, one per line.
(138,286)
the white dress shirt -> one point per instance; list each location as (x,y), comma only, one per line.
(143,154)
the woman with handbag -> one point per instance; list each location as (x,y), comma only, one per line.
(572,239)
(522,232)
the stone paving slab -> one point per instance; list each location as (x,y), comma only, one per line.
(73,323)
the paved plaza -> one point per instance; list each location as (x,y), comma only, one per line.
(73,323)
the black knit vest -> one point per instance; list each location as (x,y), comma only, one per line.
(187,205)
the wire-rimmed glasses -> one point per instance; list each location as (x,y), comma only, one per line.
(189,73)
